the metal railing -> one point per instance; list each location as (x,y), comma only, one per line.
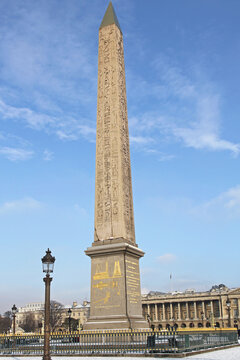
(118,342)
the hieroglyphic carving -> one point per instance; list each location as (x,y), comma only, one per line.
(106,282)
(113,198)
(133,281)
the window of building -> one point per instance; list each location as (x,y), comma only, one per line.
(235,313)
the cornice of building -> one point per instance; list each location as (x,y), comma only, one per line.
(190,295)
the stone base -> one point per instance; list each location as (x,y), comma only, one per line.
(115,286)
(111,323)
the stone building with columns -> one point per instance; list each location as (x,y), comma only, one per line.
(79,312)
(219,307)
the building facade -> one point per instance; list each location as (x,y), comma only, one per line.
(79,312)
(36,310)
(219,307)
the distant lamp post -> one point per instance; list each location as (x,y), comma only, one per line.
(202,317)
(69,319)
(149,320)
(228,304)
(14,311)
(48,265)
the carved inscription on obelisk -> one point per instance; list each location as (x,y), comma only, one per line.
(115,278)
(113,199)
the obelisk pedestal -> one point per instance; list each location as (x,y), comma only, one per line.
(115,287)
(115,278)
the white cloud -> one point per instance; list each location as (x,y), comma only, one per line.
(16,154)
(166,258)
(140,140)
(47,155)
(63,126)
(62,135)
(19,206)
(62,97)
(203,133)
(186,110)
(80,210)
(228,200)
(166,157)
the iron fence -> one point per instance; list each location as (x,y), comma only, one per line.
(117,342)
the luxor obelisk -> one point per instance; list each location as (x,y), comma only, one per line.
(115,278)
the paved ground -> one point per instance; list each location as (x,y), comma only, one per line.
(229,354)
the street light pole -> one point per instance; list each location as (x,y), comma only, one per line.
(202,317)
(69,319)
(149,320)
(228,303)
(48,264)
(14,310)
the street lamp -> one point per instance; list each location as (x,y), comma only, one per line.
(228,303)
(48,265)
(202,317)
(69,319)
(149,320)
(14,311)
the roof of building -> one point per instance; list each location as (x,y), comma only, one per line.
(110,17)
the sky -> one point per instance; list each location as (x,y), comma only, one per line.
(182,72)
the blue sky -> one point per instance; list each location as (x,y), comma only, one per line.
(182,71)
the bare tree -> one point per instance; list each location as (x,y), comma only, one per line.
(5,324)
(73,324)
(29,323)
(8,314)
(56,309)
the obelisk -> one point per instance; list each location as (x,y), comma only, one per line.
(115,278)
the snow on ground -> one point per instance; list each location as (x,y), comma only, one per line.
(228,354)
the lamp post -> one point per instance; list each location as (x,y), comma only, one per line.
(48,265)
(202,317)
(69,319)
(228,304)
(14,311)
(149,320)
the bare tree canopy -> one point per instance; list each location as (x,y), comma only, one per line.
(29,323)
(56,309)
(5,324)
(8,314)
(73,324)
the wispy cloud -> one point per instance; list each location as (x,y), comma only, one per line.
(204,132)
(140,140)
(16,154)
(19,206)
(225,204)
(166,258)
(47,155)
(186,108)
(63,126)
(50,56)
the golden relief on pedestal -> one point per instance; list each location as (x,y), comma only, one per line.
(111,286)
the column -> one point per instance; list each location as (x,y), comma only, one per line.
(164,314)
(203,310)
(220,309)
(148,309)
(195,310)
(187,311)
(179,311)
(171,311)
(156,312)
(211,302)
